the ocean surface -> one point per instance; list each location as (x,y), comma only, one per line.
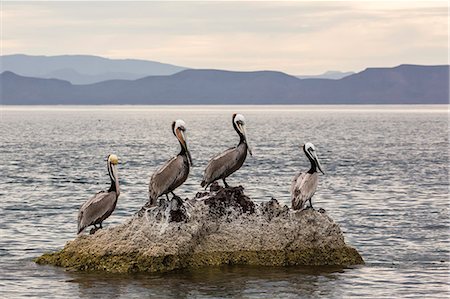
(386,185)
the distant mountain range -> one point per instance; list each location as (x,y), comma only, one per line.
(327,75)
(405,84)
(87,69)
(84,69)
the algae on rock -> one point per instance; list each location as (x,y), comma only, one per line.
(219,227)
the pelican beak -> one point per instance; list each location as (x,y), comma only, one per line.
(244,132)
(114,171)
(316,159)
(189,157)
(184,144)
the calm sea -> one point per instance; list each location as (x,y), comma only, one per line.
(386,184)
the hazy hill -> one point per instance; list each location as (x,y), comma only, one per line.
(405,84)
(84,69)
(327,75)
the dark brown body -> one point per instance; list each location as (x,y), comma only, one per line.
(303,187)
(223,165)
(97,209)
(169,177)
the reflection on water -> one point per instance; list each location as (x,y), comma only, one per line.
(386,184)
(225,282)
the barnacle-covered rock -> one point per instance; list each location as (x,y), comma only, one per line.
(222,226)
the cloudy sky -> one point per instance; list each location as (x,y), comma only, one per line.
(297,37)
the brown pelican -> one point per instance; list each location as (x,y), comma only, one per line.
(223,165)
(175,171)
(304,185)
(101,205)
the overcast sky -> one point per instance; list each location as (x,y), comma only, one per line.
(295,37)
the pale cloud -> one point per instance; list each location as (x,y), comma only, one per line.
(294,37)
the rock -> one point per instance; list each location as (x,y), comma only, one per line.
(229,199)
(214,228)
(214,187)
(273,209)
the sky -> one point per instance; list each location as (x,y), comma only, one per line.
(296,37)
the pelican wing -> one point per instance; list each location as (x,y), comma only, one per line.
(221,165)
(303,187)
(169,176)
(294,183)
(96,209)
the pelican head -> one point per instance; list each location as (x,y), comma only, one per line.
(239,125)
(310,152)
(113,159)
(179,129)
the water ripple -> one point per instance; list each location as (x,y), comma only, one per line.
(386,184)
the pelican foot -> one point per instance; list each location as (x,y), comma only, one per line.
(307,208)
(93,230)
(162,202)
(179,200)
(201,194)
(214,187)
(225,184)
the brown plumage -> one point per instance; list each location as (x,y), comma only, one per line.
(101,205)
(226,163)
(169,177)
(175,171)
(304,185)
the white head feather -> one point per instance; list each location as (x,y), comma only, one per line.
(179,123)
(239,122)
(309,145)
(239,117)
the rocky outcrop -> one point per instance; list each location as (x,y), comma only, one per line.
(218,227)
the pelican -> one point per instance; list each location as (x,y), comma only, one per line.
(101,205)
(175,171)
(304,185)
(226,163)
